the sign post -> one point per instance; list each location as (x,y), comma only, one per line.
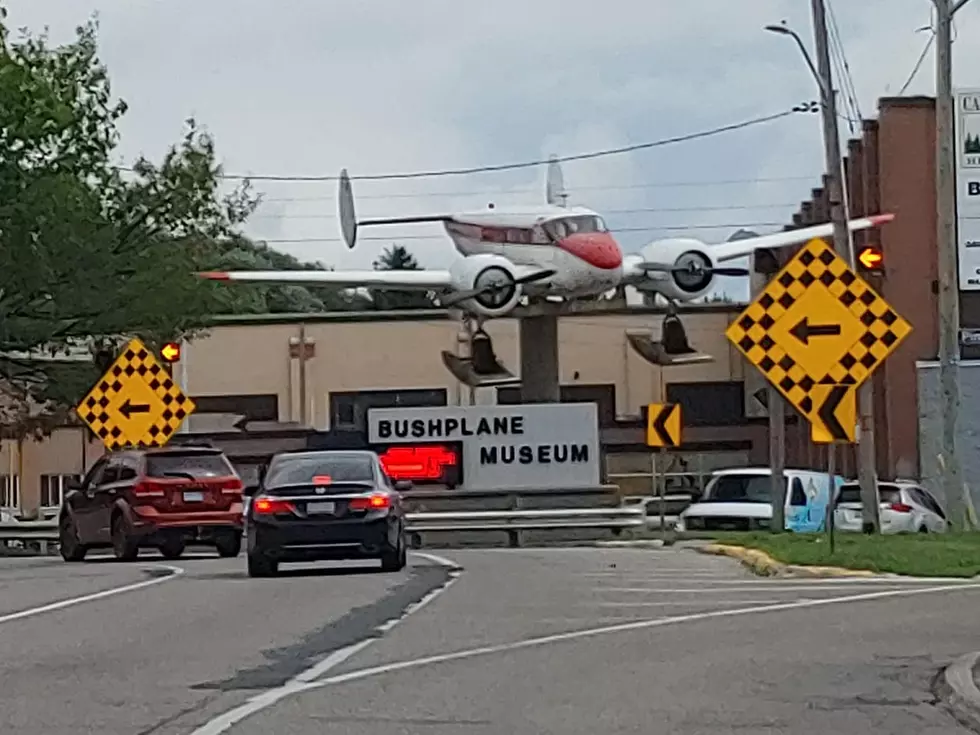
(663,430)
(136,403)
(817,332)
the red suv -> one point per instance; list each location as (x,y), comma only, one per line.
(159,498)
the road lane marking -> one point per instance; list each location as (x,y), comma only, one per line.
(72,601)
(306,679)
(622,628)
(729,590)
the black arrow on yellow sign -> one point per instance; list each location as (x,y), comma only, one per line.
(835,419)
(129,408)
(804,330)
(664,425)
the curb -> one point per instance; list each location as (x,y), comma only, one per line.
(759,562)
(957,689)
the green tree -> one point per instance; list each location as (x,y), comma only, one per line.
(87,248)
(398,258)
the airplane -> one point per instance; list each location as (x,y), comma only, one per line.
(537,252)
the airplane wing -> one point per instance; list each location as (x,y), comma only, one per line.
(741,248)
(422,280)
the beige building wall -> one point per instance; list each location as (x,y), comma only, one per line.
(371,355)
(253,357)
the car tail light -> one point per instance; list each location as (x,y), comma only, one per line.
(901,508)
(377,501)
(149,489)
(272,506)
(232,486)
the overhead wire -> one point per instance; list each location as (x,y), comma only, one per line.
(466,171)
(631,210)
(533,190)
(662,228)
(839,59)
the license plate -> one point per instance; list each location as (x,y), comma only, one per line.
(194,497)
(320,507)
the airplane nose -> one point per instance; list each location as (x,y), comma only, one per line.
(598,249)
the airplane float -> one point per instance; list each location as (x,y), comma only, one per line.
(540,252)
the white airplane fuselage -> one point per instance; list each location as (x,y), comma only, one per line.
(574,243)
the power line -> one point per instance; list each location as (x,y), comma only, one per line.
(636,210)
(527,164)
(572,190)
(844,69)
(669,228)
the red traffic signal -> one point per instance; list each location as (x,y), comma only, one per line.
(171,352)
(871,258)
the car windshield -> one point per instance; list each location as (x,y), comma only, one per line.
(738,489)
(302,470)
(198,464)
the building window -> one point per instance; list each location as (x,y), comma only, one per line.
(53,489)
(720,403)
(601,394)
(348,410)
(10,492)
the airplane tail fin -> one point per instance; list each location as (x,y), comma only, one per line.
(554,191)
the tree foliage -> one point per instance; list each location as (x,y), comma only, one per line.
(89,248)
(398,258)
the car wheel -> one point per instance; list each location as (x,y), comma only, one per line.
(260,565)
(228,545)
(68,544)
(124,546)
(394,560)
(172,548)
(923,529)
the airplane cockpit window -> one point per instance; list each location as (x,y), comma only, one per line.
(561,228)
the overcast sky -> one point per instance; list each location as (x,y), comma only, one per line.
(306,87)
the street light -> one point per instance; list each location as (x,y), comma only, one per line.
(785,30)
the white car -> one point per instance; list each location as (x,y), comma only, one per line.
(905,507)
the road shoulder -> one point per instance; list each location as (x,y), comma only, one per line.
(956,688)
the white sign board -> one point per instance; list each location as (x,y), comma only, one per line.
(522,447)
(968,187)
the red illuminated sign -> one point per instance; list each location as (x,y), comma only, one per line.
(418,463)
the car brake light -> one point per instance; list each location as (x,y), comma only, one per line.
(232,486)
(147,489)
(272,506)
(901,508)
(378,501)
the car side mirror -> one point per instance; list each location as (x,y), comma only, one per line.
(403,485)
(73,484)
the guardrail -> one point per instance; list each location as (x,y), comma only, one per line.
(631,515)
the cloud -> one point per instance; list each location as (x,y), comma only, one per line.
(307,88)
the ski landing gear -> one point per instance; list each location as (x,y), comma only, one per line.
(672,348)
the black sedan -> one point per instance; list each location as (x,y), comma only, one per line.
(319,506)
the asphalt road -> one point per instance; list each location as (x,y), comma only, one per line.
(532,641)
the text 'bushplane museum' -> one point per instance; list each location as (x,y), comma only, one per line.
(511,255)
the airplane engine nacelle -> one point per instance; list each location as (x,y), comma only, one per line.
(492,278)
(693,256)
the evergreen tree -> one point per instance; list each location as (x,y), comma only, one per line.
(398,258)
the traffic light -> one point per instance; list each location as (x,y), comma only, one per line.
(871,259)
(170,352)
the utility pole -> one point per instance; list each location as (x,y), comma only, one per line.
(948,268)
(844,245)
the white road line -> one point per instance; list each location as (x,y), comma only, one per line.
(72,601)
(727,590)
(690,603)
(306,679)
(622,628)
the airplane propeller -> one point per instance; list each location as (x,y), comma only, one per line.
(693,269)
(495,288)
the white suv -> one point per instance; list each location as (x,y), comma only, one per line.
(904,508)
